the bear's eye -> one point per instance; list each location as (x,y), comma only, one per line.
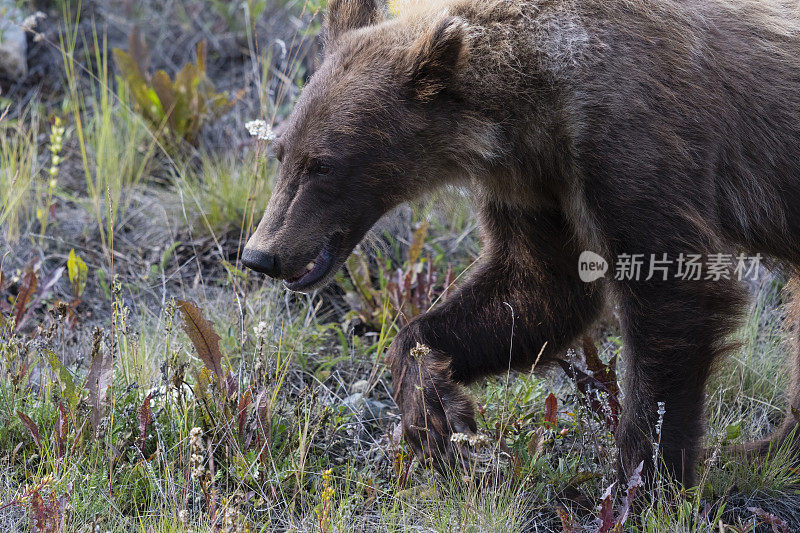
(320,168)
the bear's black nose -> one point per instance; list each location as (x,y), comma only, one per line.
(261,262)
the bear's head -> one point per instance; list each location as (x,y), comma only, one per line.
(375,126)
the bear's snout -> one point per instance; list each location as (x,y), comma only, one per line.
(263,262)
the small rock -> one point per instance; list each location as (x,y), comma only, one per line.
(13,43)
(370,410)
(354,402)
(360,386)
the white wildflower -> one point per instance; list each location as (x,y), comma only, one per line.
(261,330)
(194,438)
(420,351)
(198,472)
(196,459)
(183,516)
(459,437)
(662,409)
(32,21)
(229,517)
(261,130)
(478,441)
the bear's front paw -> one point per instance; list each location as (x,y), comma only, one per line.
(429,426)
(434,408)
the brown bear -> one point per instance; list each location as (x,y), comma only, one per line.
(652,128)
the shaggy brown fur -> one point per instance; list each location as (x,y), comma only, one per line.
(618,126)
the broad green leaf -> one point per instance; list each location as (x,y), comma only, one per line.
(186,103)
(78,273)
(162,86)
(68,390)
(732,431)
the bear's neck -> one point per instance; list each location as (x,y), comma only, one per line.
(514,86)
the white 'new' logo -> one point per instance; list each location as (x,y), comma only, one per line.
(591,266)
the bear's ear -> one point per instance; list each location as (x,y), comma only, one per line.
(437,56)
(346,15)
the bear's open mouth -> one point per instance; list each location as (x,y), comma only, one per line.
(317,269)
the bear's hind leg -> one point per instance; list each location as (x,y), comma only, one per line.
(674,331)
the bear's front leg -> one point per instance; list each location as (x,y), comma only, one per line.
(525,299)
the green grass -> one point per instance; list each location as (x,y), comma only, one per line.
(115,146)
(226,194)
(18,172)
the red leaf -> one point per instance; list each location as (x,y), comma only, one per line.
(449,279)
(44,289)
(396,435)
(32,427)
(605,373)
(589,386)
(38,512)
(145,418)
(45,512)
(777,523)
(550,409)
(61,429)
(605,512)
(98,379)
(37,507)
(204,338)
(231,385)
(263,414)
(634,483)
(244,402)
(26,290)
